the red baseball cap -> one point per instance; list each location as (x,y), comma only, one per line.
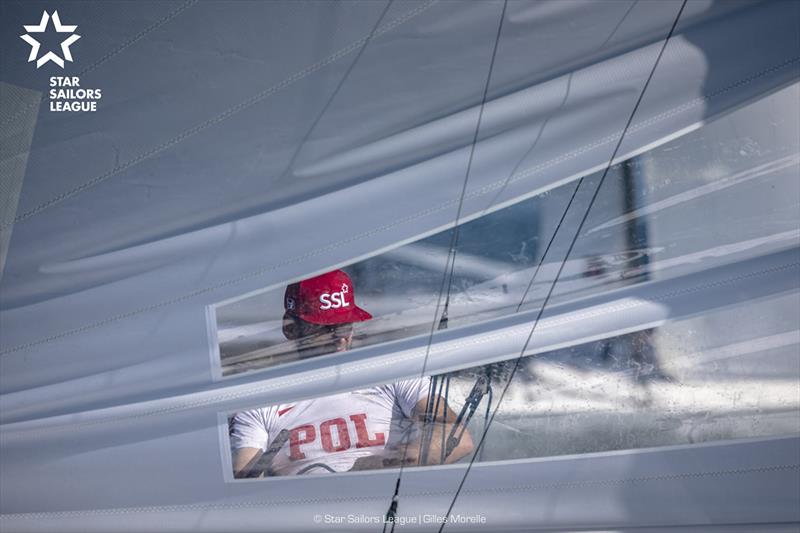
(325,299)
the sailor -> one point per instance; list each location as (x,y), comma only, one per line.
(370,428)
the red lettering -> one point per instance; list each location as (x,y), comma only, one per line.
(360,421)
(309,434)
(341,431)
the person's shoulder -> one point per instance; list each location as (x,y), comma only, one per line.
(370,391)
(413,383)
(261,410)
(258,413)
(407,386)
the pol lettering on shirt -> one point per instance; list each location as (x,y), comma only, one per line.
(333,430)
(334,435)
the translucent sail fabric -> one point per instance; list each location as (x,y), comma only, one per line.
(239,147)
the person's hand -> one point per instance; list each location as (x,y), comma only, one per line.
(370,462)
(395,459)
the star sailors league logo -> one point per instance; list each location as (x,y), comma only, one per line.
(50,55)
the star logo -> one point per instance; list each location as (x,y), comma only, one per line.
(35,45)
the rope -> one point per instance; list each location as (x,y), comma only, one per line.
(563,262)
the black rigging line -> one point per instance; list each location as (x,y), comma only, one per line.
(304,140)
(564,261)
(572,198)
(454,239)
(549,244)
(448,273)
(551,115)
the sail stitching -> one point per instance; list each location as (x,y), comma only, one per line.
(222,116)
(425,494)
(366,365)
(324,249)
(574,239)
(109,55)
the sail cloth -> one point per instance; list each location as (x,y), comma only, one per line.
(240,147)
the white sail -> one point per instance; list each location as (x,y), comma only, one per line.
(241,147)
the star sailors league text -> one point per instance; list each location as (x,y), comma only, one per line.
(65,93)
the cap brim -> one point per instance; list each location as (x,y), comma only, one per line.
(359,315)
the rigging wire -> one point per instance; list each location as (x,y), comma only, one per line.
(304,140)
(454,239)
(447,279)
(563,262)
(549,244)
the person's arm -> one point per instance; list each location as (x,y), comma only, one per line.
(243,460)
(248,437)
(443,422)
(412,453)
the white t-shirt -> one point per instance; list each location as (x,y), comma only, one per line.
(333,430)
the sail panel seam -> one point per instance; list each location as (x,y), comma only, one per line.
(420,214)
(367,364)
(426,494)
